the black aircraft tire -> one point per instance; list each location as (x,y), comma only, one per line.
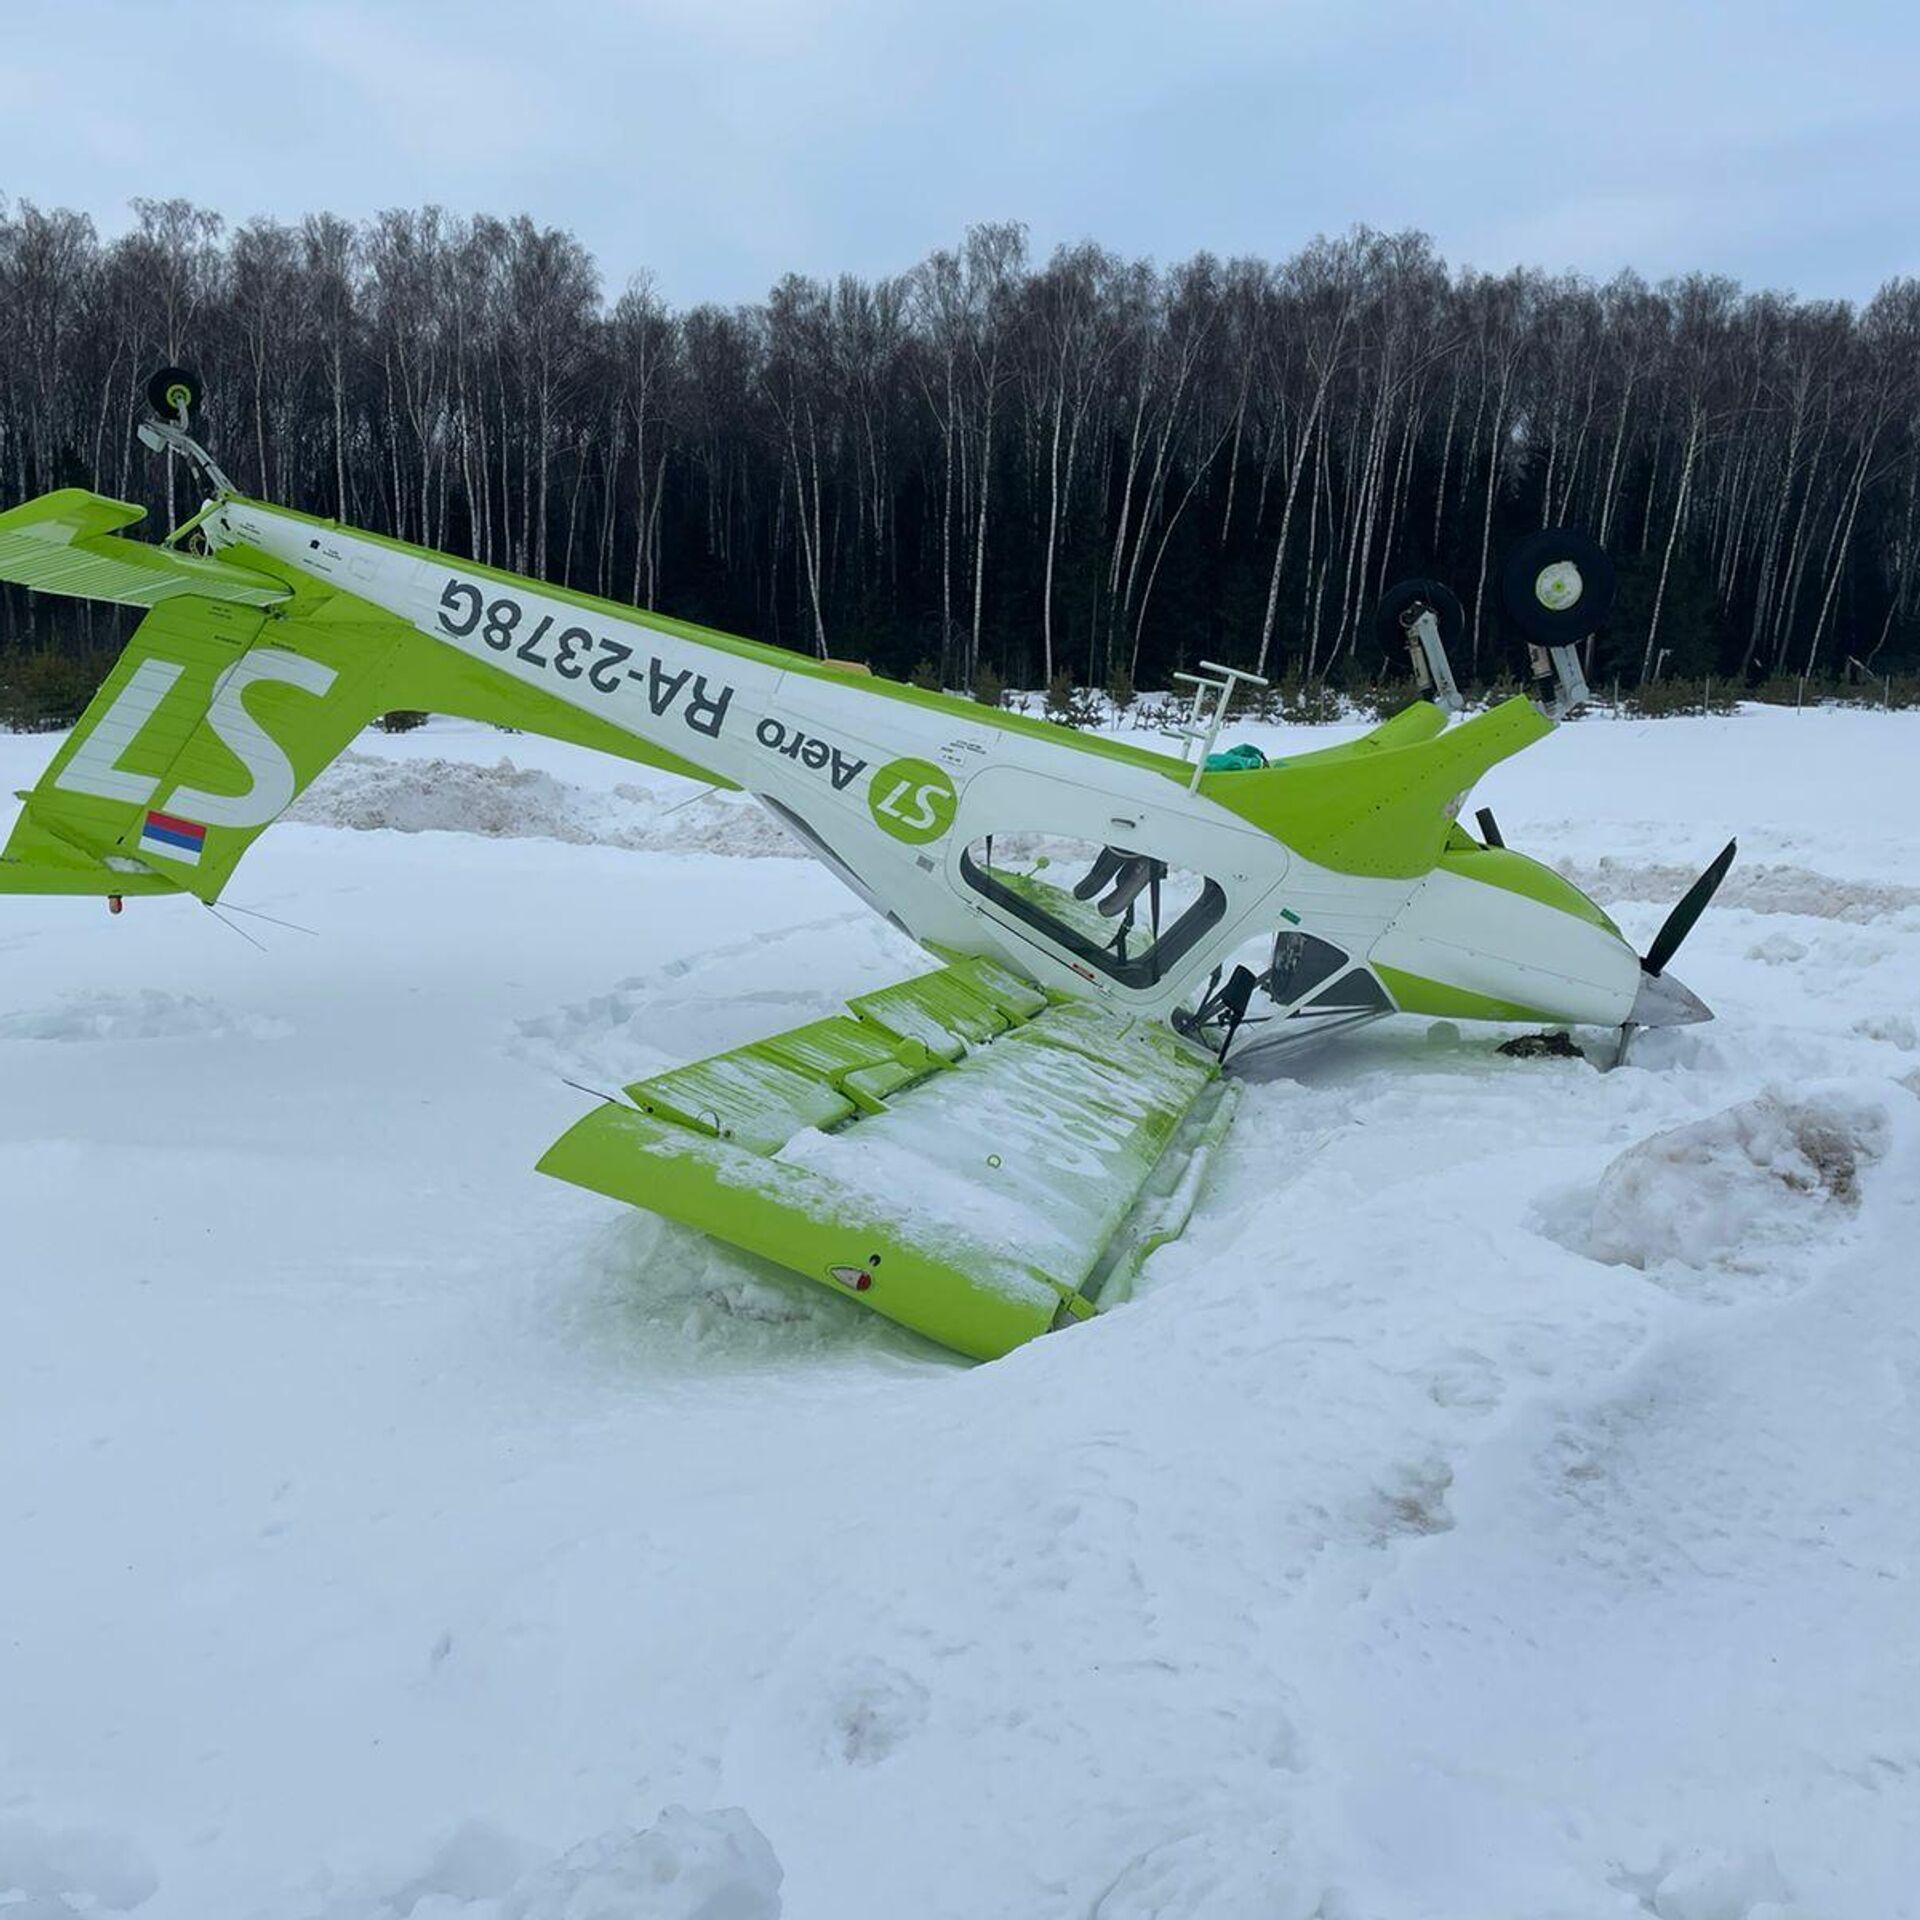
(171,388)
(1430,593)
(1558,586)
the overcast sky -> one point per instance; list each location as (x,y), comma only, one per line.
(719,143)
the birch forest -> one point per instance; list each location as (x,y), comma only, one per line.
(997,467)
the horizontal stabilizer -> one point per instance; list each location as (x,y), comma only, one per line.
(959,1155)
(68,542)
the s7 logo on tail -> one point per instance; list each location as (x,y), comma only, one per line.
(95,766)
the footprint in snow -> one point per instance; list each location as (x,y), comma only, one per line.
(875,1709)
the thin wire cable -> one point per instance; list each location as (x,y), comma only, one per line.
(229,925)
(233,906)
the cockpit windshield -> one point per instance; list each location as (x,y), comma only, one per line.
(1281,995)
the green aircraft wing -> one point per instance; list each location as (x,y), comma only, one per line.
(957,1152)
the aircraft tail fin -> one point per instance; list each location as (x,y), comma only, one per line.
(235,691)
(214,718)
(1382,805)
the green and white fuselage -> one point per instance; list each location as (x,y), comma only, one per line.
(891,787)
(1084,898)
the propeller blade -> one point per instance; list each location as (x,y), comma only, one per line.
(1489,827)
(1693,903)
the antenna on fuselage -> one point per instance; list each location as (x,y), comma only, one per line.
(1213,690)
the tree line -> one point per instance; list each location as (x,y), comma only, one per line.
(991,467)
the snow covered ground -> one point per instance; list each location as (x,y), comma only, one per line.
(1501,1503)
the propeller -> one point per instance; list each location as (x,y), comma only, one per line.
(1662,1002)
(1489,828)
(1693,903)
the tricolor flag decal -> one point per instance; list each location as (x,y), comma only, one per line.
(173,838)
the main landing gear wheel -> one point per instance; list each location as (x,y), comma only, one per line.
(175,393)
(1399,607)
(1558,586)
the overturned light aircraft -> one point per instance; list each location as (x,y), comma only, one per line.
(990,1149)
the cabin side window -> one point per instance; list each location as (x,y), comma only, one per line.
(1114,908)
(1301,962)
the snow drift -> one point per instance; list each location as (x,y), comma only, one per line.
(1725,1189)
